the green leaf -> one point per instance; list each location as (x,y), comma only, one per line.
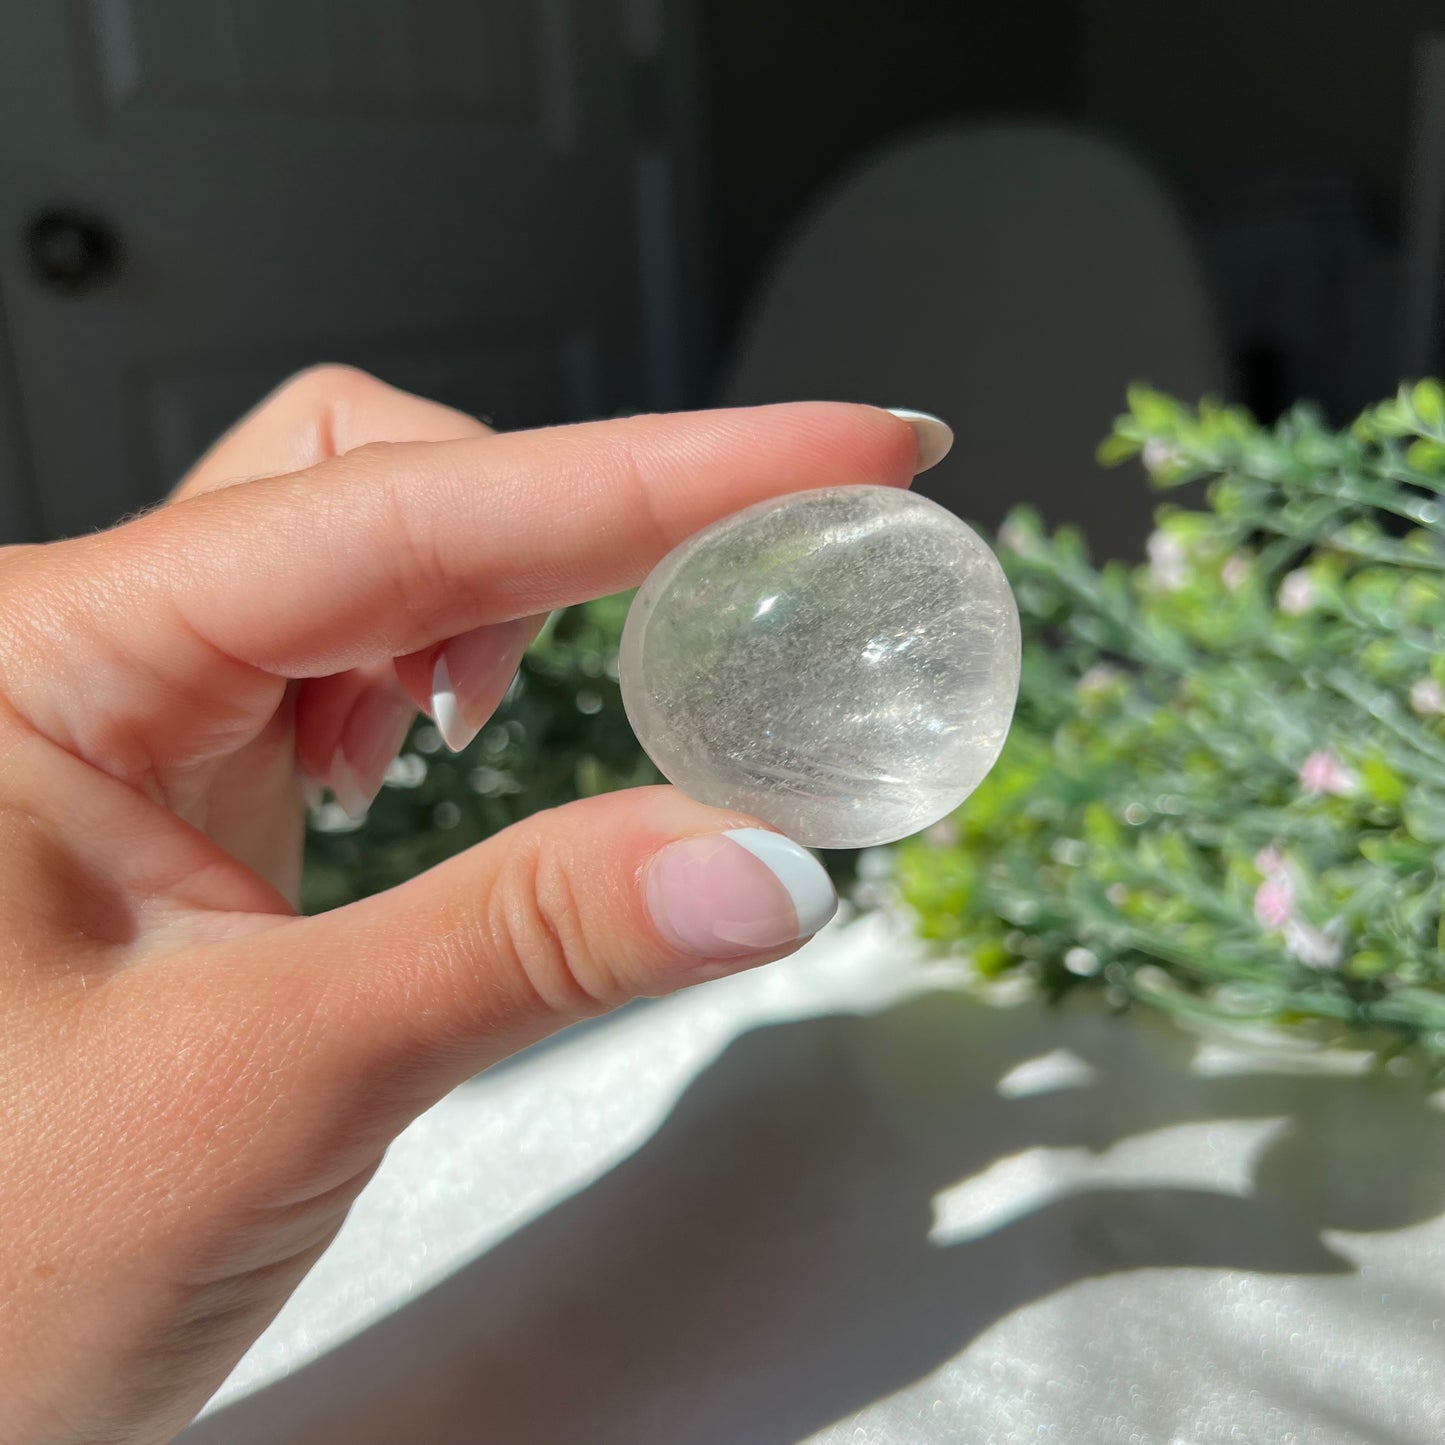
(1154,411)
(1425,817)
(1426,456)
(1116,449)
(1381,781)
(1428,398)
(991,959)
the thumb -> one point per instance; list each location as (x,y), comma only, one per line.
(264,1074)
(560,917)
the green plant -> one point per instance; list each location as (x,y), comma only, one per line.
(1224,792)
(560,734)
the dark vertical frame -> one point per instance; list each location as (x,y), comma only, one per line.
(1422,290)
(19,513)
(669,195)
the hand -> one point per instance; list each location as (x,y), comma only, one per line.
(196,1083)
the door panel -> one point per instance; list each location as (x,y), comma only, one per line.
(422,58)
(440,190)
(184,406)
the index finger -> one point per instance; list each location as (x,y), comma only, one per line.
(392,548)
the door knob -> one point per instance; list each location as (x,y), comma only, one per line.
(71,251)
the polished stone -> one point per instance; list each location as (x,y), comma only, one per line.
(842,664)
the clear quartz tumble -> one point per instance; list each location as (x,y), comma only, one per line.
(842,664)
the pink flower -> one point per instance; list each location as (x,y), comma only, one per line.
(1274,898)
(1296,594)
(1323,772)
(1274,911)
(1274,901)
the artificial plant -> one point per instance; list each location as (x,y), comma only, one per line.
(1224,791)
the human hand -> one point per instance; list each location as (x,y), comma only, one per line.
(195,1083)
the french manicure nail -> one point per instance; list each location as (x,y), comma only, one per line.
(373,736)
(471,675)
(744,891)
(350,797)
(935,436)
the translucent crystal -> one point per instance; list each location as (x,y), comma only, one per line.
(842,664)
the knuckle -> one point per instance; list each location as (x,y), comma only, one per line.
(424,570)
(329,392)
(622,463)
(538,932)
(328,378)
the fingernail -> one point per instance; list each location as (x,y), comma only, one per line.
(310,790)
(351,798)
(726,895)
(471,676)
(935,436)
(373,736)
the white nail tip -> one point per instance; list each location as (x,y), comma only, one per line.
(935,436)
(353,800)
(797,870)
(446,709)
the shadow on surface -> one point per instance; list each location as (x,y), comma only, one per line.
(762,1267)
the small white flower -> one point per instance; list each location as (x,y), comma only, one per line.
(1235,572)
(1323,772)
(1314,947)
(1014,537)
(1427,697)
(1160,456)
(1098,679)
(1167,562)
(1297,594)
(1081,962)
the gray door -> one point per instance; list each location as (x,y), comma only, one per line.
(198,197)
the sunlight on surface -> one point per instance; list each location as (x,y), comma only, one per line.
(1216,1154)
(1063,1226)
(1059,1069)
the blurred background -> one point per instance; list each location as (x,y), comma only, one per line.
(873,1209)
(545,210)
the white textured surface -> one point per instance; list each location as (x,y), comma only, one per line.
(840,663)
(501,1150)
(890,1216)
